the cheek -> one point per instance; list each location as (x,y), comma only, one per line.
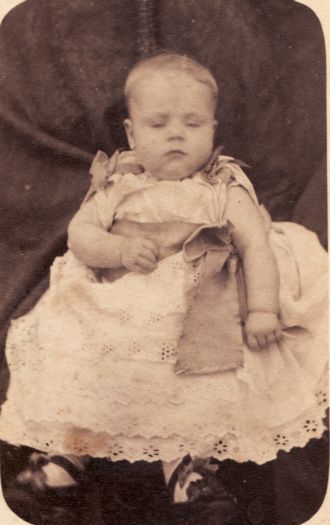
(147,152)
(209,134)
(151,147)
(146,141)
(203,141)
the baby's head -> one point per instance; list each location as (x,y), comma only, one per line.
(171,100)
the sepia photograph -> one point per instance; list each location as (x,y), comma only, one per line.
(164,361)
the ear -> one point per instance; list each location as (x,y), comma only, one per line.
(129,132)
(215,124)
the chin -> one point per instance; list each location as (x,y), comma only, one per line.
(175,173)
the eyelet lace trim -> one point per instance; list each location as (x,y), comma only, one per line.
(224,440)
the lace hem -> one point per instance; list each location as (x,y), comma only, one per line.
(231,441)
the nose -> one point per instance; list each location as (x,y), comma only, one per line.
(175,131)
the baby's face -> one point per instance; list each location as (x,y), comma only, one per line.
(171,125)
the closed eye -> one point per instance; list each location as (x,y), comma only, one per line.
(194,120)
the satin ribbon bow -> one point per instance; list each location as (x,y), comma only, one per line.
(104,167)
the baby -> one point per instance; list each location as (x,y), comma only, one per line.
(172,102)
(109,328)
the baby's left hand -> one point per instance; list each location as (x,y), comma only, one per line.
(261,329)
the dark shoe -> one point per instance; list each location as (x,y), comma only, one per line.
(208,502)
(31,499)
(35,476)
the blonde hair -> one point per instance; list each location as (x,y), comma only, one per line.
(167,61)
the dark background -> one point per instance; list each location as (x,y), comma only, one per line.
(63,66)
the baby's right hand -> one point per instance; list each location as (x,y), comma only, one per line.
(139,254)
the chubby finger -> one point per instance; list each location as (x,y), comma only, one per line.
(147,253)
(262,340)
(271,338)
(252,342)
(146,263)
(139,268)
(135,268)
(151,246)
(278,335)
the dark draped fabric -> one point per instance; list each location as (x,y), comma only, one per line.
(64,63)
(63,66)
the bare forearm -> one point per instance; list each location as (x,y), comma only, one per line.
(250,237)
(94,246)
(261,278)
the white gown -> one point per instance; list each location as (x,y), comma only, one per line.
(92,363)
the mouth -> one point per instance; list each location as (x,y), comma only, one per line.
(175,152)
